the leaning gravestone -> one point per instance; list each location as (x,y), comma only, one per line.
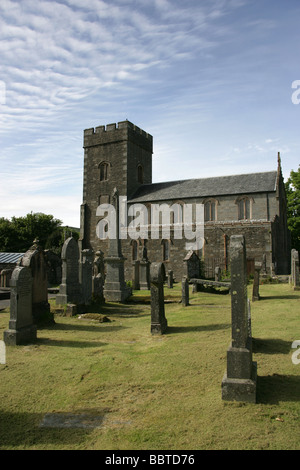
(70,289)
(21,328)
(239,381)
(34,259)
(158,320)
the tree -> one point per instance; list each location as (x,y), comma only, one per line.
(292,187)
(18,234)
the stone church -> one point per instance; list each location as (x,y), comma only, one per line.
(119,156)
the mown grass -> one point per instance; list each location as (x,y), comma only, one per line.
(154,392)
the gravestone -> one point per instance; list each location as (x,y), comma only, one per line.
(239,381)
(21,328)
(158,320)
(145,271)
(34,259)
(2,352)
(192,265)
(295,269)
(293,257)
(170,279)
(70,289)
(86,276)
(255,291)
(185,292)
(217,273)
(136,275)
(115,288)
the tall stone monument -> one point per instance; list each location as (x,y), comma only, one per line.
(115,288)
(86,276)
(21,330)
(34,259)
(239,381)
(70,288)
(158,319)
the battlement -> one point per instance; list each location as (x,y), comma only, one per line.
(123,130)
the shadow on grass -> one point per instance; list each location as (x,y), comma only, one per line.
(271,346)
(69,343)
(22,430)
(272,389)
(93,326)
(278,297)
(188,329)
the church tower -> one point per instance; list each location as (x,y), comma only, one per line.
(115,156)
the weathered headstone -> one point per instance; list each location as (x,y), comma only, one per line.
(70,289)
(21,328)
(34,259)
(144,275)
(2,352)
(255,291)
(170,279)
(185,292)
(115,288)
(136,275)
(239,381)
(217,273)
(192,265)
(158,320)
(293,256)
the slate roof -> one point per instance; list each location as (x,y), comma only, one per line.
(207,187)
(10,257)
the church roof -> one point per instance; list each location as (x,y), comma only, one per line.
(207,187)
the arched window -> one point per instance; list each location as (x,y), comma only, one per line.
(210,211)
(244,208)
(103,167)
(140,174)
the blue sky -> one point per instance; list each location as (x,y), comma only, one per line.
(211,80)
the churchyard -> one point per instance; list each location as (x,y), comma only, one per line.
(101,380)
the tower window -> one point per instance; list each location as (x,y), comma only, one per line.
(140,174)
(103,171)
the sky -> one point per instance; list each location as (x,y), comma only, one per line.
(211,80)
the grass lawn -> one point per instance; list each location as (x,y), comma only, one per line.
(154,392)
